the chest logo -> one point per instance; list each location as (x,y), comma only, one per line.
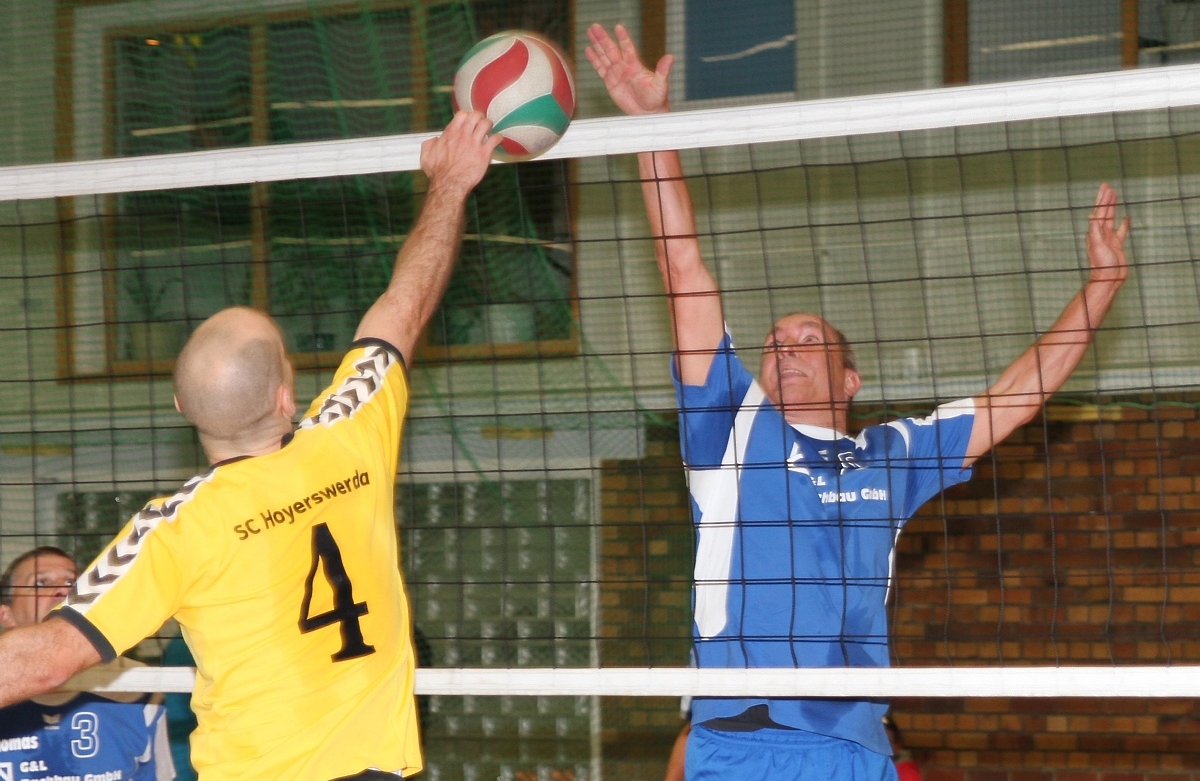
(795,463)
(848,462)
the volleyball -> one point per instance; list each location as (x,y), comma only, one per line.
(523,83)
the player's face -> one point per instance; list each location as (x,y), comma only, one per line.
(803,366)
(39,584)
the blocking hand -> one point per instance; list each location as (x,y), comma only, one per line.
(633,87)
(1106,240)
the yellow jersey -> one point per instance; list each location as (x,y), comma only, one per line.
(283,570)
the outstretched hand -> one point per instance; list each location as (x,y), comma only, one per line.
(633,87)
(457,159)
(1106,240)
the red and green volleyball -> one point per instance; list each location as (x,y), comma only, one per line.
(523,83)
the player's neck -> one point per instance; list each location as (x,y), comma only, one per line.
(259,442)
(835,418)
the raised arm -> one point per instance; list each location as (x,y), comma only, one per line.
(694,301)
(40,657)
(1041,370)
(455,162)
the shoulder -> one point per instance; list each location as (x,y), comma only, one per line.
(157,519)
(958,411)
(727,383)
(371,357)
(368,368)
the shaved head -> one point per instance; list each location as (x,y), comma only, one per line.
(229,376)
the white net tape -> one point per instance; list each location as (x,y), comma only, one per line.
(1139,90)
(858,682)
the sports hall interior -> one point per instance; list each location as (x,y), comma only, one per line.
(548,408)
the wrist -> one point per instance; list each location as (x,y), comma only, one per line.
(446,191)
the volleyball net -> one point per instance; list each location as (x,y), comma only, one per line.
(544,518)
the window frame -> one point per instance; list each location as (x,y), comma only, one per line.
(110,20)
(956,41)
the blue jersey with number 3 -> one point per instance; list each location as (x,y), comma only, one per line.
(89,736)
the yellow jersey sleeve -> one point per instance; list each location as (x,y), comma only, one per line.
(358,380)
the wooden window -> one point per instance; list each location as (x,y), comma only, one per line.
(998,40)
(315,253)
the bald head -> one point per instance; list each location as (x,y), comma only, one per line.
(229,377)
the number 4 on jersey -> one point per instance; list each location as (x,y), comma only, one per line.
(345,610)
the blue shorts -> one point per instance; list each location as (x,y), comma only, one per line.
(780,755)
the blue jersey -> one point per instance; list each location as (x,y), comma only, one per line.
(88,737)
(796,527)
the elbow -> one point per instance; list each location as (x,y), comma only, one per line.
(57,670)
(1027,415)
(1019,400)
(1003,410)
(64,652)
(33,679)
(41,658)
(52,676)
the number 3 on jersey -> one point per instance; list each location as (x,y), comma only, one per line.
(345,610)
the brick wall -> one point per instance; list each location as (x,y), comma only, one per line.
(1074,543)
(645,598)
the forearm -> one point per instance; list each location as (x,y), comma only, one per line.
(673,224)
(1041,370)
(38,658)
(692,294)
(1045,366)
(424,265)
(421,272)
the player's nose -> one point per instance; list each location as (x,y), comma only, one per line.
(62,588)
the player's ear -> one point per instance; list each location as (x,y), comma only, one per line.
(853,383)
(285,401)
(6,617)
